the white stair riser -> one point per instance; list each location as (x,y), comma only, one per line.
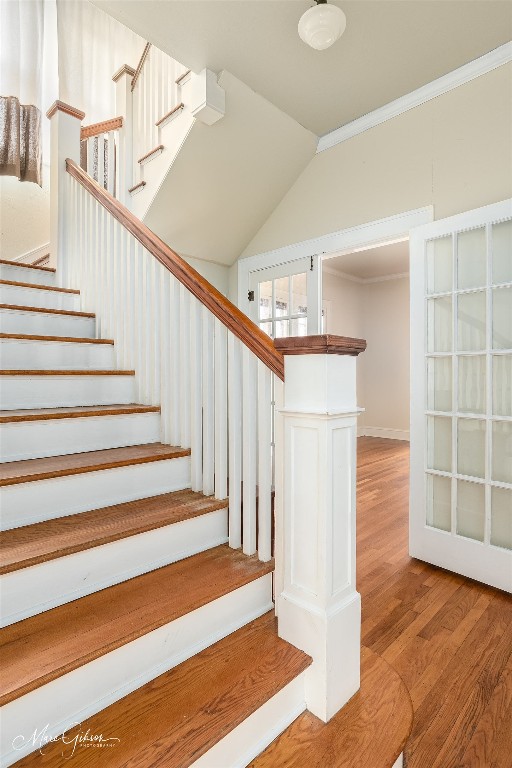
(35,297)
(16,354)
(24,275)
(256,732)
(57,437)
(27,503)
(94,686)
(32,590)
(63,391)
(46,324)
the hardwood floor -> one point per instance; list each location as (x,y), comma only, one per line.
(449,638)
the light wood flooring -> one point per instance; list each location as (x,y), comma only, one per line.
(449,638)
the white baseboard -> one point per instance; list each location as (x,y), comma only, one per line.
(36,253)
(388,434)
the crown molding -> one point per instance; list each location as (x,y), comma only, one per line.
(60,106)
(124,70)
(363,280)
(481,66)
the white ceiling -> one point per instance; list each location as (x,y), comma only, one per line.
(373,263)
(390,47)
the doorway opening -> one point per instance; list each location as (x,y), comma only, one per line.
(367,295)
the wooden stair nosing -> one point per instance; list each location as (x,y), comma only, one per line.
(65,372)
(67,637)
(46,311)
(27,266)
(18,284)
(182,77)
(78,412)
(71,339)
(169,114)
(159,148)
(31,470)
(52,539)
(137,186)
(184,712)
(370,730)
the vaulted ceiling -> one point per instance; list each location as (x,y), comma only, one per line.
(390,47)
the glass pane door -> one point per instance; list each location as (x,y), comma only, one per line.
(461,394)
(285,299)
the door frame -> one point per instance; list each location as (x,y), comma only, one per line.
(344,241)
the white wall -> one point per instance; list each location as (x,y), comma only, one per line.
(454,153)
(216,274)
(385,364)
(379,313)
(24,215)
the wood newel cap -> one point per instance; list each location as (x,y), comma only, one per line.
(124,70)
(60,106)
(326,344)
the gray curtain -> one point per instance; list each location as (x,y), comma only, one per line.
(20,140)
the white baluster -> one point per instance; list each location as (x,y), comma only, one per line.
(118,278)
(101,161)
(111,167)
(156,329)
(129,316)
(164,353)
(279,490)
(264,462)
(208,404)
(139,323)
(91,143)
(175,341)
(249,460)
(221,416)
(146,325)
(235,441)
(185,367)
(196,421)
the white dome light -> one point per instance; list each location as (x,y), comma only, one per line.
(322,25)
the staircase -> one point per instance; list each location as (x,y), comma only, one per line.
(124,608)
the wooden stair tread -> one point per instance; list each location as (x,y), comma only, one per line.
(73,339)
(48,540)
(13,472)
(27,266)
(71,635)
(46,311)
(371,730)
(19,284)
(177,717)
(65,372)
(77,412)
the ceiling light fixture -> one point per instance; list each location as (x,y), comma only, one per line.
(321,25)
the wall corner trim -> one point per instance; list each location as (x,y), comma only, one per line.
(464,74)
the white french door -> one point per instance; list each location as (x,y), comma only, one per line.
(461,394)
(284,299)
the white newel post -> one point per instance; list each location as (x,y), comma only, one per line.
(64,143)
(124,108)
(319,610)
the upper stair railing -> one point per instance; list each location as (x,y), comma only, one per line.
(116,152)
(98,149)
(155,95)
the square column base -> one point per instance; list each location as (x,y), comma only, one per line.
(333,640)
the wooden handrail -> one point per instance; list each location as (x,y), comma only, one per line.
(223,309)
(140,64)
(98,128)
